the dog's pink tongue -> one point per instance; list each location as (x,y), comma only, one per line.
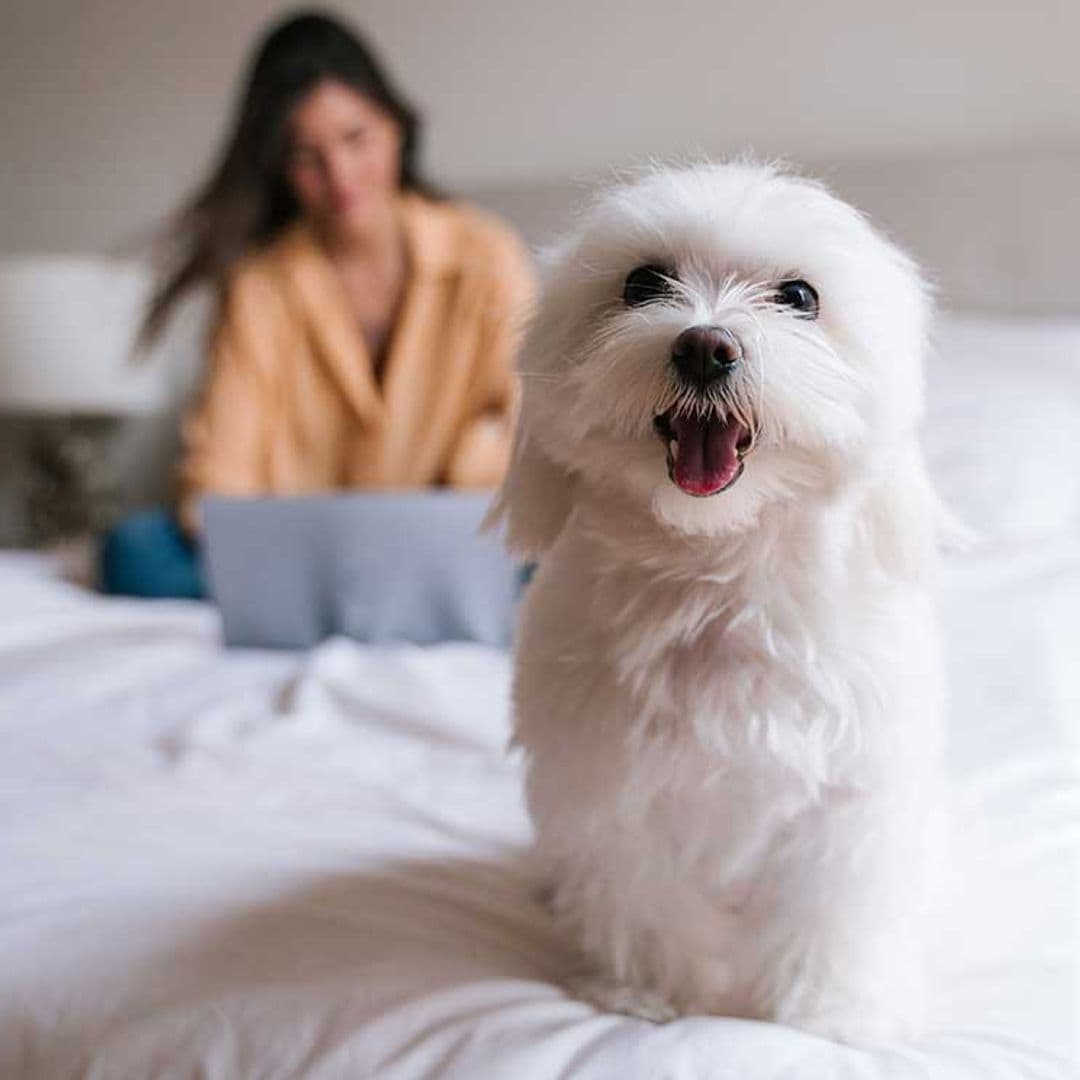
(706,454)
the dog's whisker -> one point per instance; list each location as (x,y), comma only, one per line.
(758,356)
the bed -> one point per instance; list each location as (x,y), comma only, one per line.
(235,864)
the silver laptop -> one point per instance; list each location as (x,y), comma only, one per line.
(378,567)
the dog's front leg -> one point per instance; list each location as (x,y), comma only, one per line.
(846,959)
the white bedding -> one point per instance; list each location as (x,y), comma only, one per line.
(268,865)
(273,865)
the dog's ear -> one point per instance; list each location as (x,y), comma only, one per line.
(906,522)
(535,498)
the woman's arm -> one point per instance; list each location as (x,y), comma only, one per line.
(482,452)
(226,435)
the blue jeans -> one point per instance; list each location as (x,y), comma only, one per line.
(148,555)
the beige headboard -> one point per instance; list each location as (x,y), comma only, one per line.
(995,230)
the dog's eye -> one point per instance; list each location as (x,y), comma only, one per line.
(800,295)
(646,284)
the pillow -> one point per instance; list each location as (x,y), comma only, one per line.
(1003,424)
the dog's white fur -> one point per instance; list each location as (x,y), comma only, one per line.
(730,705)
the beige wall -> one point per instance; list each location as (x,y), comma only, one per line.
(111,109)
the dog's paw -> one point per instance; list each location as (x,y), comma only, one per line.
(613,997)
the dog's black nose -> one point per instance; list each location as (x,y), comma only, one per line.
(703,354)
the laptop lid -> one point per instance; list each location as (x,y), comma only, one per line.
(375,566)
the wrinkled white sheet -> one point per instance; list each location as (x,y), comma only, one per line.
(268,865)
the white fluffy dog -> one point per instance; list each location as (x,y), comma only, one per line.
(728,683)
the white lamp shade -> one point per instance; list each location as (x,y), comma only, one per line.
(67,329)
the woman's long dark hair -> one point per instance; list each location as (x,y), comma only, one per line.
(246,201)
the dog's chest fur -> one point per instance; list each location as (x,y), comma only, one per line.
(761,651)
(709,721)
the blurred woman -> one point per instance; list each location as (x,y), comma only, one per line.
(365,327)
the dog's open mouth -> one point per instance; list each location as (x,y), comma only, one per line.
(704,453)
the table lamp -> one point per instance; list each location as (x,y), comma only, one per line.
(67,328)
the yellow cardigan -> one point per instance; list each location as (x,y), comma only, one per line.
(292,405)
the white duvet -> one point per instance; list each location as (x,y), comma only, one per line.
(260,865)
(252,865)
